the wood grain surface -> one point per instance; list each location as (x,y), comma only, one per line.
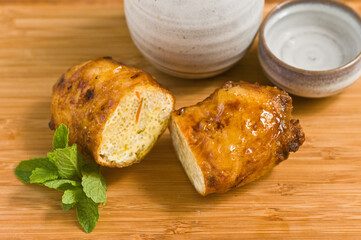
(316,194)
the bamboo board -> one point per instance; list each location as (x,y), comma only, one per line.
(316,194)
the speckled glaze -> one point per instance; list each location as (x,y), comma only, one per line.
(193,38)
(311,48)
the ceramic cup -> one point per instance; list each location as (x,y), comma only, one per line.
(311,48)
(193,38)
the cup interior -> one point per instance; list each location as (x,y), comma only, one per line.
(314,36)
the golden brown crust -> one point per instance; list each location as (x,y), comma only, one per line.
(86,96)
(239,133)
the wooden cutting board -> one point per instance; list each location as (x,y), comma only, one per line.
(316,194)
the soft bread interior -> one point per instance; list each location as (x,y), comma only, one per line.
(140,118)
(187,158)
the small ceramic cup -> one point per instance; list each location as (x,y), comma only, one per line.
(311,48)
(193,38)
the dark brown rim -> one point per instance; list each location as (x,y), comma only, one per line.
(288,3)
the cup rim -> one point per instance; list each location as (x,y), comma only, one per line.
(288,3)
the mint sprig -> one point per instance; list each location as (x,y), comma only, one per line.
(64,169)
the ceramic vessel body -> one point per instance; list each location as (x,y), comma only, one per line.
(311,48)
(193,38)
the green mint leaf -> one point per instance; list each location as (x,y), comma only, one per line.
(24,170)
(81,161)
(67,207)
(40,175)
(62,184)
(87,212)
(94,184)
(72,196)
(61,137)
(51,157)
(66,160)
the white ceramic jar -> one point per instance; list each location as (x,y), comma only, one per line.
(193,38)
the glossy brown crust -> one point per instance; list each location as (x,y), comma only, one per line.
(87,95)
(239,133)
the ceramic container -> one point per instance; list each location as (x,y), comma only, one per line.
(193,38)
(311,48)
